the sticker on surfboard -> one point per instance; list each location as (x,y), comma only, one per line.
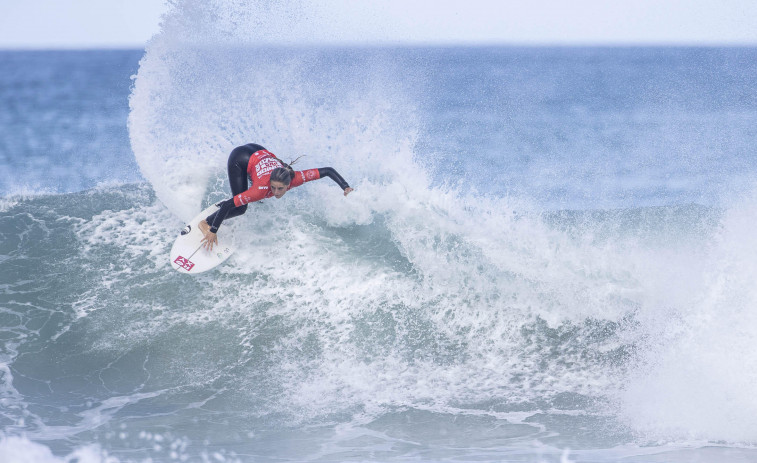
(188,254)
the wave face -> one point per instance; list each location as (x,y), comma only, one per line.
(452,308)
(438,322)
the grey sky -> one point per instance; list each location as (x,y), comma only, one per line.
(130,23)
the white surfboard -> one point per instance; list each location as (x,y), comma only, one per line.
(188,254)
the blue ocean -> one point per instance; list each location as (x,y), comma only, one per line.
(549,255)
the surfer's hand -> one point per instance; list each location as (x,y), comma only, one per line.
(348,190)
(209,240)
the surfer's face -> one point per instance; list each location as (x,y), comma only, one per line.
(278,188)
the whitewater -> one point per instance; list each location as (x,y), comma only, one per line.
(548,256)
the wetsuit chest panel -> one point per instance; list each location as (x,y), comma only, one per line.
(261,164)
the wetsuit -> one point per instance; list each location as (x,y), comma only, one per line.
(255,163)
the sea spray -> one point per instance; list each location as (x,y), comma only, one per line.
(695,376)
(207,85)
(489,299)
(452,307)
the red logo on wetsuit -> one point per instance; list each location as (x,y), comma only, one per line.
(265,166)
(184,263)
(311,173)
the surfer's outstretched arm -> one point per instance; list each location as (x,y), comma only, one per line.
(331,173)
(309,175)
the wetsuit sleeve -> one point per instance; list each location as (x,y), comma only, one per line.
(309,175)
(243,198)
(215,219)
(333,175)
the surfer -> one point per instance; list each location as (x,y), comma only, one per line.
(270,177)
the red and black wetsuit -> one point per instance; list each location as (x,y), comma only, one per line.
(255,163)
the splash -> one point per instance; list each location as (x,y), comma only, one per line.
(22,450)
(446,298)
(206,86)
(695,377)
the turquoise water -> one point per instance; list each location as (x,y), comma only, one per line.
(547,258)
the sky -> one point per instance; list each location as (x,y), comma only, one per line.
(131,23)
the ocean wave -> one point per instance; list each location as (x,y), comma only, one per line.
(441,302)
(420,307)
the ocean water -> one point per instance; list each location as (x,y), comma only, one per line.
(548,256)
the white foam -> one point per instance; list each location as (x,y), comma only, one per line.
(192,102)
(697,375)
(483,270)
(479,270)
(18,449)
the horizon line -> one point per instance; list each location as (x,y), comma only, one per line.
(407,44)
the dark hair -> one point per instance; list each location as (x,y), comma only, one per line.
(283,174)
